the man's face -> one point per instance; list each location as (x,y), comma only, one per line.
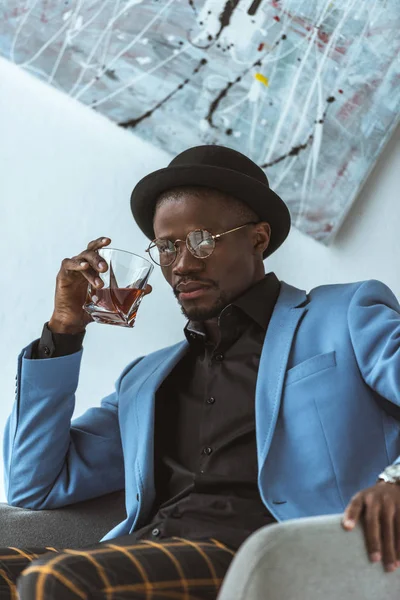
(213,282)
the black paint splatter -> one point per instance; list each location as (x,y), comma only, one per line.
(133,122)
(110,73)
(296,149)
(254,7)
(293,152)
(226,15)
(191,3)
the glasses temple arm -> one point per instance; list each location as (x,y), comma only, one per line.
(218,235)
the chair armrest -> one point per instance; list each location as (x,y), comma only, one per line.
(312,558)
(73,526)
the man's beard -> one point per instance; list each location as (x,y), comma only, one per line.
(205,314)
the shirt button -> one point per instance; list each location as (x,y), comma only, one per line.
(155,532)
(219,357)
(46,350)
(207,450)
(137,497)
(210,400)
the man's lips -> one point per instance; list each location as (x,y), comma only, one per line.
(193,289)
(191,286)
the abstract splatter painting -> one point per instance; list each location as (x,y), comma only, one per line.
(309,89)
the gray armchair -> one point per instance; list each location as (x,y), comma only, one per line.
(304,559)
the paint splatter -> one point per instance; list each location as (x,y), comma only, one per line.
(262,78)
(131,123)
(226,15)
(292,152)
(254,7)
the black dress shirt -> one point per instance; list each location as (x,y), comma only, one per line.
(205,443)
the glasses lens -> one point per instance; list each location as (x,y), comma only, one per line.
(201,243)
(163,252)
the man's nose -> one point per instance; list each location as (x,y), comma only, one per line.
(185,262)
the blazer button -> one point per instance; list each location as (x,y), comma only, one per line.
(207,450)
(155,532)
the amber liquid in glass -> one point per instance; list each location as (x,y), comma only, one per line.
(115,305)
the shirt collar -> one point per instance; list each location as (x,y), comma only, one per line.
(257,302)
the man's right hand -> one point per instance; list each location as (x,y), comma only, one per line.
(71,288)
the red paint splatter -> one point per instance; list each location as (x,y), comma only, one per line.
(340,91)
(277,18)
(261,46)
(323,36)
(16,12)
(328,228)
(342,169)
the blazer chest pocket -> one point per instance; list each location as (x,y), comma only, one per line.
(312,365)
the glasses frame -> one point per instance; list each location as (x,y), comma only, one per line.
(214,237)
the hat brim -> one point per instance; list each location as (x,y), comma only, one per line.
(265,203)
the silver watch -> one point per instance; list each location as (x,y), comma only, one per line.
(391,474)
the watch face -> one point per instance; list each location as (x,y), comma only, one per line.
(393,471)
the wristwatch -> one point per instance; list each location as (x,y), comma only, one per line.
(391,474)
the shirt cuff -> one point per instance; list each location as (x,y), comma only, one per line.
(53,345)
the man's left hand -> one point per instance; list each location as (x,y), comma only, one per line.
(379,507)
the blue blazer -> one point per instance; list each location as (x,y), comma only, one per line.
(329,365)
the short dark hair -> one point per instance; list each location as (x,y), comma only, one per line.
(233,204)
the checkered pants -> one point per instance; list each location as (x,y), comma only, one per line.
(174,568)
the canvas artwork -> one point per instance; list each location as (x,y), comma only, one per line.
(309,89)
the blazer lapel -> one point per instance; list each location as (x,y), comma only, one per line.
(287,313)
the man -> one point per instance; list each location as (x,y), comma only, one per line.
(278,404)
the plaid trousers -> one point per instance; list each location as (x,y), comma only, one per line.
(174,568)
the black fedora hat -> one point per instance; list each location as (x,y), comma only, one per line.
(220,168)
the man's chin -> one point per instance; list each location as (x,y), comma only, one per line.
(204,313)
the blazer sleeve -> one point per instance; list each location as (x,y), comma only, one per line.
(50,461)
(374,325)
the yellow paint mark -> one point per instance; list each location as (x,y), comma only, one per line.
(262,78)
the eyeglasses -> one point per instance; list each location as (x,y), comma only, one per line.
(200,242)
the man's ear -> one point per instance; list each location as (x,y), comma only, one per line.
(262,232)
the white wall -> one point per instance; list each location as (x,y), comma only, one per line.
(65,178)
